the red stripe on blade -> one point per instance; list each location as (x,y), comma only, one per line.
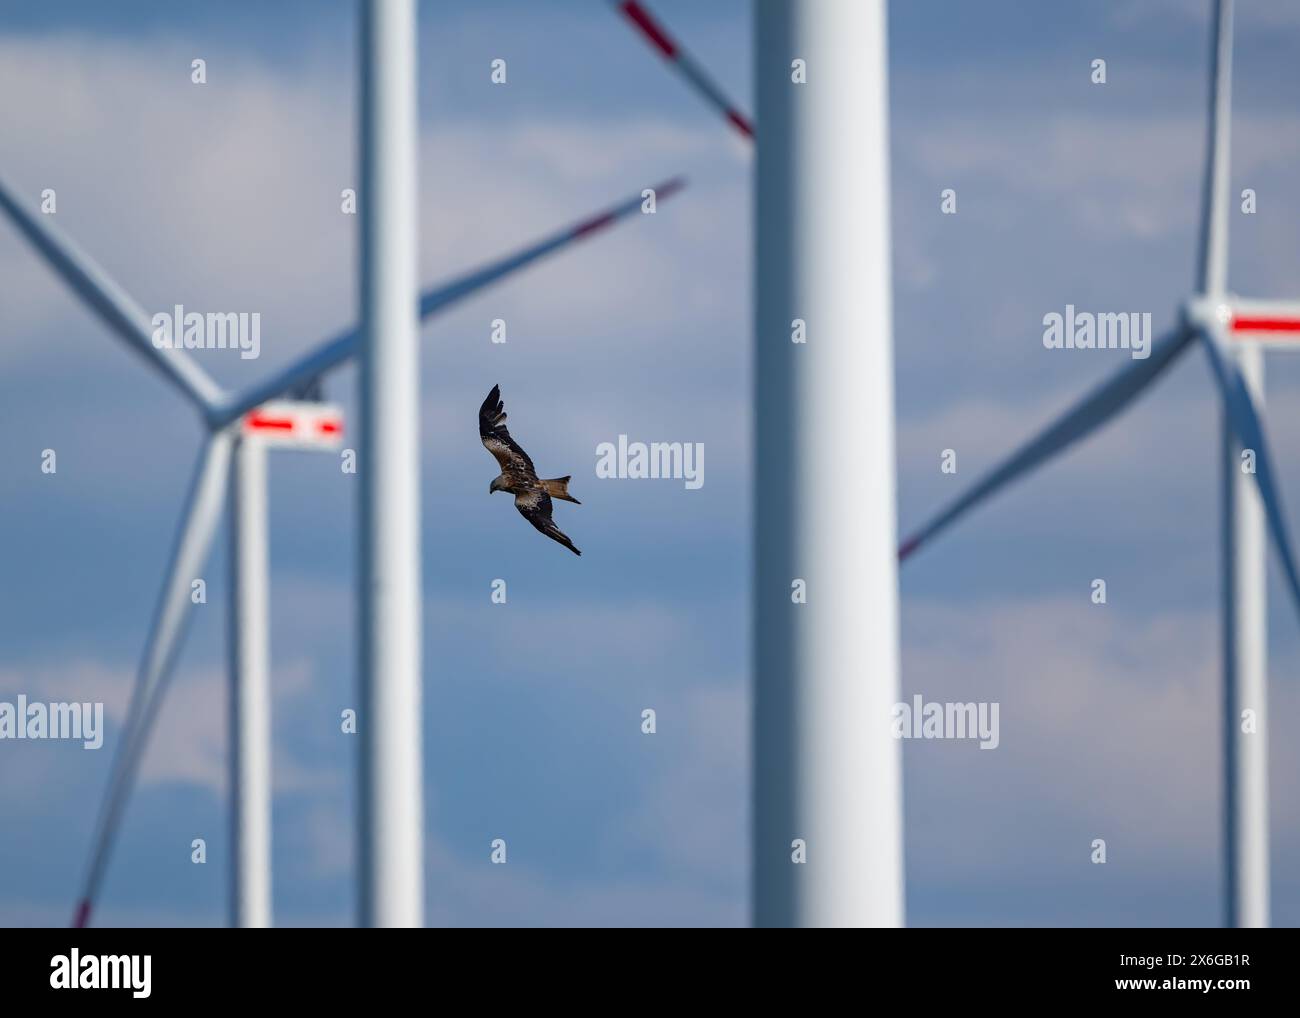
(260,422)
(592,225)
(743,125)
(640,17)
(1243,323)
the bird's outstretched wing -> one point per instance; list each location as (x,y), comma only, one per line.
(496,437)
(535,507)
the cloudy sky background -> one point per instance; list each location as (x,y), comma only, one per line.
(226,196)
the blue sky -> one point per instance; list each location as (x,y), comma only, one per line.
(226,196)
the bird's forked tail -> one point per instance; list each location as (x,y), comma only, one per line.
(559,488)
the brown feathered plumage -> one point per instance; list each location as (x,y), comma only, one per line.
(532,494)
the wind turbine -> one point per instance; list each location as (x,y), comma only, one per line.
(221,414)
(827,799)
(1233,333)
(279,424)
(391,600)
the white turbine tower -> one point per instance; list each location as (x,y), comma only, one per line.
(827,796)
(1232,331)
(828,846)
(1245,580)
(391,598)
(279,424)
(225,417)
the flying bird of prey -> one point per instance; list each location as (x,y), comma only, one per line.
(532,494)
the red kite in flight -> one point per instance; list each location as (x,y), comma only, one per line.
(532,495)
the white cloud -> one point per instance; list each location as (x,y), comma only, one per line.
(189,739)
(1114,175)
(694,815)
(1110,727)
(229,196)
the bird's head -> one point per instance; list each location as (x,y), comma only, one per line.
(498,484)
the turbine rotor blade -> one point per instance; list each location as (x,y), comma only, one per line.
(1107,400)
(335,351)
(1212,269)
(1244,420)
(193,540)
(111,303)
(690,69)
